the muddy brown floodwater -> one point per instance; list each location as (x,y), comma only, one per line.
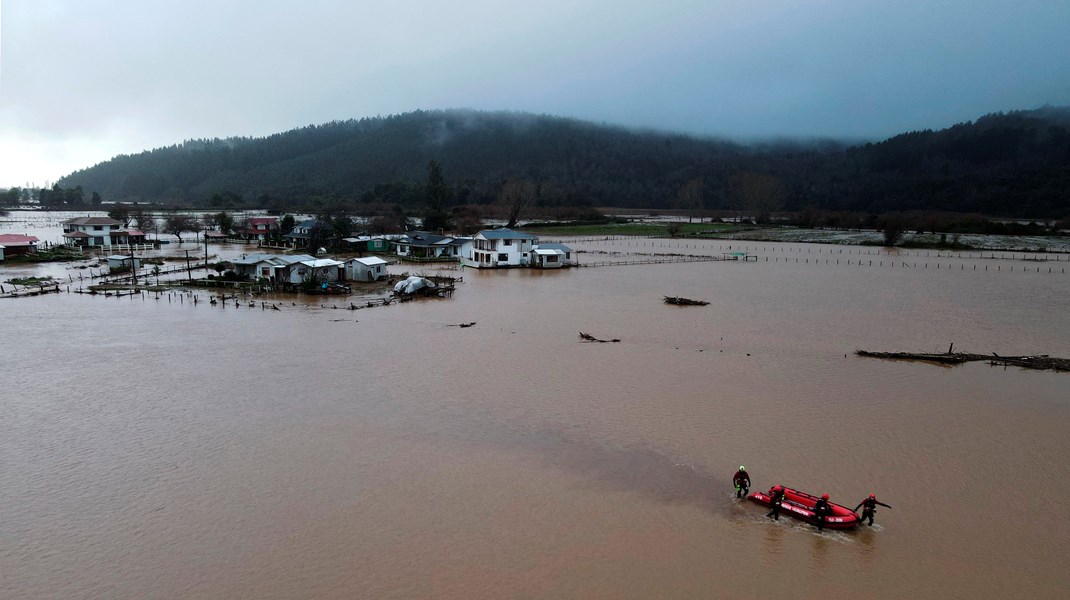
(160,449)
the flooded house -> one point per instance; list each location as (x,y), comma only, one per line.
(317,269)
(369,243)
(120,262)
(502,247)
(259,228)
(552,256)
(310,233)
(367,268)
(270,267)
(99,231)
(13,244)
(428,246)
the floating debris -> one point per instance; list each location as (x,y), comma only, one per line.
(1041,362)
(681,301)
(590,338)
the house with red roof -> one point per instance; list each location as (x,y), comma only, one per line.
(13,244)
(259,228)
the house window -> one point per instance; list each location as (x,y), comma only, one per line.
(568,255)
(503,257)
(551,258)
(97,228)
(507,242)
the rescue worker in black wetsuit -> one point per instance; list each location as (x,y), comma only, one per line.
(742,482)
(869,507)
(776,499)
(821,510)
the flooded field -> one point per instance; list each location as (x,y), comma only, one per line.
(154,448)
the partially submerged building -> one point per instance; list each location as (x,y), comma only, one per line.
(425,245)
(366,268)
(14,244)
(502,247)
(91,232)
(552,256)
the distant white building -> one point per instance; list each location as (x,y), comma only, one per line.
(367,268)
(492,248)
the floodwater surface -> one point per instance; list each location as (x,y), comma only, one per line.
(156,448)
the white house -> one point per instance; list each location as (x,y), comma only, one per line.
(500,248)
(425,245)
(95,231)
(271,267)
(368,268)
(318,269)
(552,256)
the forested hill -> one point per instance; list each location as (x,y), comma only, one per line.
(1014,164)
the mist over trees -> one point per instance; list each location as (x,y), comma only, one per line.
(1008,165)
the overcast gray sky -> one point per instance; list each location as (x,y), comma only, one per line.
(84,80)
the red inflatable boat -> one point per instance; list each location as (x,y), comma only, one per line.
(801,506)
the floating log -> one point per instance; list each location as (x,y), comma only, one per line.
(681,301)
(1041,362)
(590,338)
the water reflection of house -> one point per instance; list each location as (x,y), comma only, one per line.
(13,244)
(368,268)
(426,245)
(500,247)
(552,256)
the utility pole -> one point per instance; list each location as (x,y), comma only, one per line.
(189,271)
(133,263)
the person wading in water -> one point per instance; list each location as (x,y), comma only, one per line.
(742,482)
(869,507)
(776,499)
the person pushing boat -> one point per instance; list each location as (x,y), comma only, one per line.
(869,508)
(821,510)
(742,481)
(776,499)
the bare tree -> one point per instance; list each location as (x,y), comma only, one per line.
(142,219)
(177,223)
(756,195)
(690,196)
(893,226)
(515,195)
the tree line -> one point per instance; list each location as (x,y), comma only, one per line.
(1007,165)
